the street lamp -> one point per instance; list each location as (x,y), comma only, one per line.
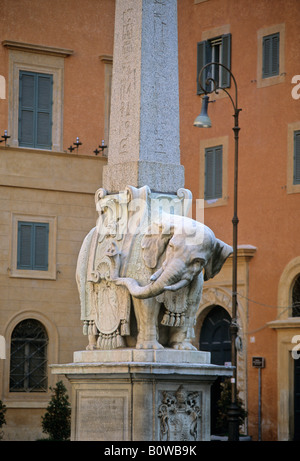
(203,121)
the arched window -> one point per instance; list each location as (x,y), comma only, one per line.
(296,298)
(28,357)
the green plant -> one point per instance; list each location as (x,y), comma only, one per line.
(2,417)
(57,420)
(223,404)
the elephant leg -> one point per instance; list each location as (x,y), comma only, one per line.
(181,337)
(146,312)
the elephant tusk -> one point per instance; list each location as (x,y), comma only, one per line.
(156,274)
(177,286)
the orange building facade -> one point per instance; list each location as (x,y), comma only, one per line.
(72,42)
(268,185)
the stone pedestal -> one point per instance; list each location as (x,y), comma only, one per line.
(141,395)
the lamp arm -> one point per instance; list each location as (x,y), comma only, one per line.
(216,87)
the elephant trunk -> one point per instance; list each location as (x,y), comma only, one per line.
(170,276)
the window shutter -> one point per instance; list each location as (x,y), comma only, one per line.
(209,174)
(26,109)
(218,172)
(297,157)
(35,110)
(203,58)
(226,60)
(275,55)
(213,172)
(44,111)
(33,240)
(271,55)
(40,237)
(24,245)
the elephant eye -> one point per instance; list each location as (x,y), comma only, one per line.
(199,261)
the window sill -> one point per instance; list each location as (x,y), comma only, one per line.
(293,189)
(25,402)
(216,202)
(270,81)
(32,274)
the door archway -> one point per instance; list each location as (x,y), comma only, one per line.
(215,338)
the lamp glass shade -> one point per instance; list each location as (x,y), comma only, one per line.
(203,120)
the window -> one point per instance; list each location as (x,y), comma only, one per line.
(213,172)
(213,169)
(296,298)
(216,49)
(42,60)
(28,357)
(33,246)
(35,110)
(296,157)
(293,158)
(33,238)
(270,55)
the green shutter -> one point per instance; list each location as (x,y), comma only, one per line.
(209,174)
(44,111)
(26,109)
(213,172)
(203,58)
(275,55)
(24,245)
(35,110)
(41,238)
(297,157)
(33,241)
(226,60)
(270,55)
(218,171)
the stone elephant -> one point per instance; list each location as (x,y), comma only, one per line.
(183,254)
(141,287)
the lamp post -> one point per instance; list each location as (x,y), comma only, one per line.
(203,121)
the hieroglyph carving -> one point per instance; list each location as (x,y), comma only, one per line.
(180,415)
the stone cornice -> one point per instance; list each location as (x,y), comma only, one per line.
(291,322)
(245,251)
(33,48)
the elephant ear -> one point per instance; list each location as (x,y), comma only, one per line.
(153,245)
(221,251)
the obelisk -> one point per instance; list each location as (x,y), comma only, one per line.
(144,124)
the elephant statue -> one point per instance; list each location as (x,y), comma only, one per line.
(154,273)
